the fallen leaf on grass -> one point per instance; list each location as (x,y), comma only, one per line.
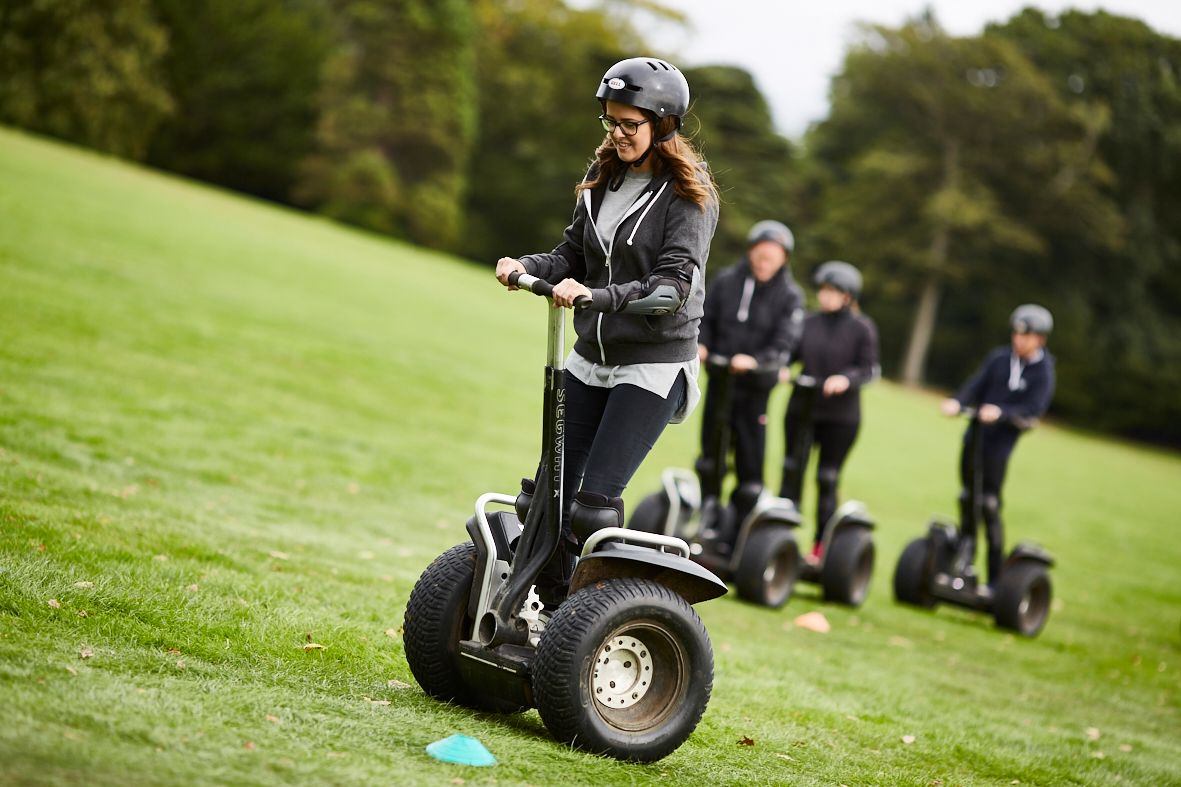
(180,664)
(192,588)
(84,584)
(279,555)
(337,754)
(1125,747)
(161,558)
(785,757)
(83,613)
(814,621)
(353,487)
(273,719)
(746,741)
(39,547)
(313,646)
(377,702)
(73,671)
(173,651)
(249,745)
(391,633)
(908,739)
(899,642)
(53,602)
(387,578)
(86,653)
(1098,755)
(1092,733)
(397,684)
(458,780)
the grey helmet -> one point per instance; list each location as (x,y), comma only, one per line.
(773,231)
(840,275)
(1031,318)
(647,83)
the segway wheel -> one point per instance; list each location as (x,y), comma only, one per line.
(624,669)
(912,577)
(650,515)
(436,618)
(848,566)
(1022,600)
(769,566)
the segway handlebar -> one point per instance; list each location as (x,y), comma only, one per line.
(541,287)
(662,300)
(805,381)
(1020,422)
(716,362)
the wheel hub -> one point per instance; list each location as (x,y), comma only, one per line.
(623,672)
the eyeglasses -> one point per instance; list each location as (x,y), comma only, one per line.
(629,127)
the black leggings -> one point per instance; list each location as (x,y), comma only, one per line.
(609,432)
(834,441)
(748,430)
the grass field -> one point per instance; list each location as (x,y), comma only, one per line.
(231,437)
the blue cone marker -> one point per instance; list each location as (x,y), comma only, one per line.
(462,750)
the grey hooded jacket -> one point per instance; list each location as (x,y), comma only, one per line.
(662,239)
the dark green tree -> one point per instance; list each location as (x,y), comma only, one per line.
(1121,337)
(397,114)
(244,75)
(951,164)
(539,63)
(87,71)
(752,164)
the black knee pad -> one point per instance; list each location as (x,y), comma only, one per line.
(992,508)
(592,512)
(524,498)
(827,479)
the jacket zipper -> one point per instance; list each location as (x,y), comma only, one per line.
(607,252)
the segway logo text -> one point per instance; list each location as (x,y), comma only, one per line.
(559,441)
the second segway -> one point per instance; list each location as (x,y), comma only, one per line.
(750,541)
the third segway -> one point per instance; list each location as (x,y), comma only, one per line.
(938,567)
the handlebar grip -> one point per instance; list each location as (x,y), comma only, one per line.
(541,287)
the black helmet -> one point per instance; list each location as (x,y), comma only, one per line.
(772,231)
(840,275)
(647,83)
(1031,318)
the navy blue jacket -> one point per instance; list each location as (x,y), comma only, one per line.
(1027,396)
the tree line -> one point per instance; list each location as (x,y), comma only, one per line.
(1037,161)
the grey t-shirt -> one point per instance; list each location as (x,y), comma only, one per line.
(616,203)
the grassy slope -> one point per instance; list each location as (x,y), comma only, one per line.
(248,429)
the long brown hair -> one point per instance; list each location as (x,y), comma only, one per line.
(692,180)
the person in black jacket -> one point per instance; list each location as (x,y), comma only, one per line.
(839,349)
(1010,391)
(644,217)
(754,315)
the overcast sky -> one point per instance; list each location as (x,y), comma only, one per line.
(793,47)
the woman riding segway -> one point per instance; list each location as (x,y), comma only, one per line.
(839,350)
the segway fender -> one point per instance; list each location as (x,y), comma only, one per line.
(1030,552)
(853,514)
(680,575)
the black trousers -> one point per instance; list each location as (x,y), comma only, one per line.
(996,447)
(833,441)
(609,432)
(748,432)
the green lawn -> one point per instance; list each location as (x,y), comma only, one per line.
(231,433)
